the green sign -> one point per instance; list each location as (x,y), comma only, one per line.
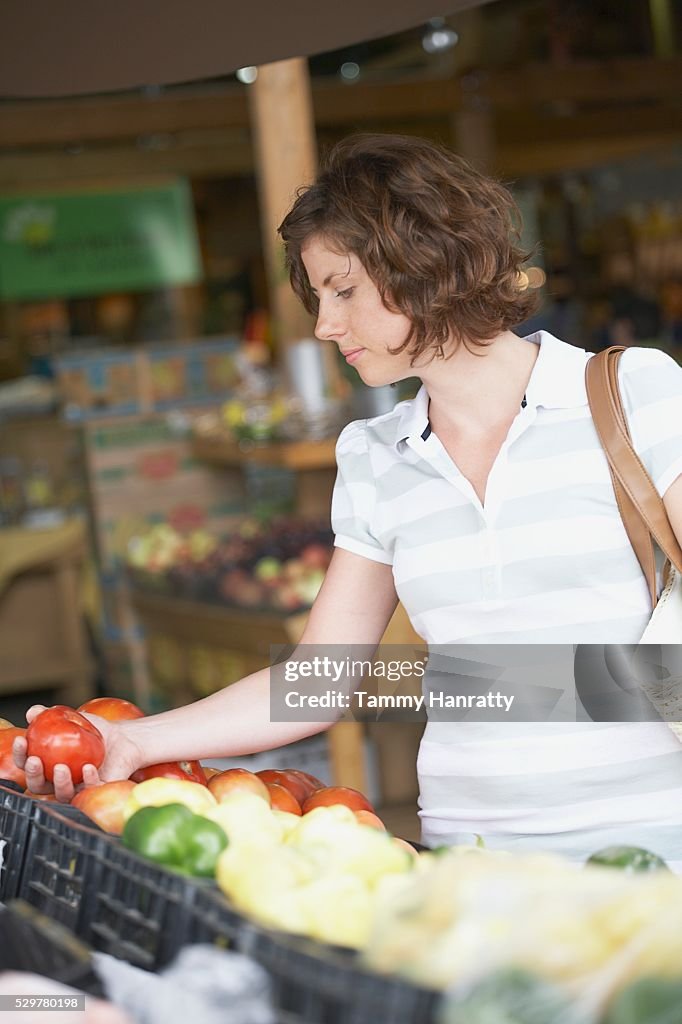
(89,243)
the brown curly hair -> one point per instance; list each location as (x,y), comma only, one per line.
(439,239)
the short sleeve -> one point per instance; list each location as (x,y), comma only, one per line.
(651,388)
(354,496)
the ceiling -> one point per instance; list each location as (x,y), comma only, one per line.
(50,49)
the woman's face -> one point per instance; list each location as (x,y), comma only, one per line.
(352,315)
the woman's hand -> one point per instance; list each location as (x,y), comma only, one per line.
(123,756)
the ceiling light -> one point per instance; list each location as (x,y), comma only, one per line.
(350,70)
(439,36)
(247,75)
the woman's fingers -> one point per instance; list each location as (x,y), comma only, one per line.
(91,776)
(64,788)
(19,748)
(34,710)
(35,778)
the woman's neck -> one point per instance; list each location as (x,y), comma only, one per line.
(477,392)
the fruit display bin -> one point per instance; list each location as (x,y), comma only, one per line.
(16,815)
(30,941)
(209,918)
(137,911)
(116,901)
(60,872)
(312,982)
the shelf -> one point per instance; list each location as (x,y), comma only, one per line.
(295,455)
(250,630)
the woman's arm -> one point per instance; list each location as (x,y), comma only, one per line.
(354,606)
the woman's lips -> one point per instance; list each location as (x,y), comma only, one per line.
(353,354)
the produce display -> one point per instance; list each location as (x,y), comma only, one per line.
(509,939)
(280,567)
(581,933)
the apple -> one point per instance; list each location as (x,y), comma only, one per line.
(267,569)
(286,598)
(316,556)
(232,582)
(237,780)
(293,569)
(308,587)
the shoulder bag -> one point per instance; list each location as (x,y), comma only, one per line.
(645,521)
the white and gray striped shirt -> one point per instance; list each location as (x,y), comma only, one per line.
(545,560)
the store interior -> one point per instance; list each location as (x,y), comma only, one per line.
(167,429)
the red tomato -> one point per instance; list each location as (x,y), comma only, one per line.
(188,771)
(337,795)
(114,709)
(237,780)
(60,735)
(8,769)
(282,799)
(309,781)
(104,804)
(296,786)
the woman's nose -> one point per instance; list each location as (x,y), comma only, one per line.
(328,327)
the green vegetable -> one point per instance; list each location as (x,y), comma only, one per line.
(510,996)
(647,1001)
(176,838)
(630,859)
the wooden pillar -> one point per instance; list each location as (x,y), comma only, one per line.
(286,157)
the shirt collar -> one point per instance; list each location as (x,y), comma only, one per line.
(557,382)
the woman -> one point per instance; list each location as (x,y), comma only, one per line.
(484,504)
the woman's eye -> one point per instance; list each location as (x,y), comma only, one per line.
(345,294)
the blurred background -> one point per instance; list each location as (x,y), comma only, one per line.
(167,421)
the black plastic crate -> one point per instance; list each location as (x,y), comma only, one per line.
(16,814)
(312,983)
(137,910)
(29,941)
(60,869)
(209,918)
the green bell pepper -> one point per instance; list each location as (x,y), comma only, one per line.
(631,859)
(647,1001)
(176,838)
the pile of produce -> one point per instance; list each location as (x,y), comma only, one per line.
(278,567)
(509,939)
(560,942)
(286,850)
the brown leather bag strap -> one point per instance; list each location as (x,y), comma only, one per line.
(641,507)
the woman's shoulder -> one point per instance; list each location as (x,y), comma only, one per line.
(648,375)
(361,435)
(638,357)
